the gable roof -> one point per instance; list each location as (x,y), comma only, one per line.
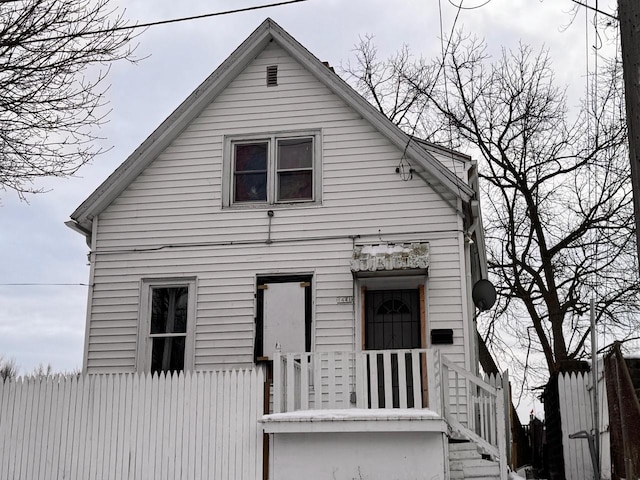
(202,96)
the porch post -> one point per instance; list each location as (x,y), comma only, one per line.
(361,380)
(277,382)
(434,381)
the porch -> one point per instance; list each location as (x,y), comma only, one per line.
(211,424)
(405,390)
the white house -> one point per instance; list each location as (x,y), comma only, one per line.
(277,222)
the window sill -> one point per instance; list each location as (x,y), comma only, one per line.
(272,206)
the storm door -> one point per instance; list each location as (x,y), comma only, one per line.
(392,321)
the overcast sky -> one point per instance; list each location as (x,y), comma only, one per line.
(45,324)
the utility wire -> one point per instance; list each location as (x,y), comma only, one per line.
(164,22)
(444,67)
(475,7)
(435,81)
(595,9)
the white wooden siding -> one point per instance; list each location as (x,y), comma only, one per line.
(177,200)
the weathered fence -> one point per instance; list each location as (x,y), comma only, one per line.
(576,414)
(130,426)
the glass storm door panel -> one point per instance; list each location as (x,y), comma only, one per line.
(284,318)
(392,321)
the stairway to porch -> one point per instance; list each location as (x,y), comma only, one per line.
(466,462)
(396,383)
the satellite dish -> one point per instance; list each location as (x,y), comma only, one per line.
(483,294)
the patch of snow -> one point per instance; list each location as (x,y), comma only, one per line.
(351,414)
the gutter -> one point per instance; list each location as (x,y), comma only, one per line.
(76,227)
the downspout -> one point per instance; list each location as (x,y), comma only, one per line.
(92,240)
(470,313)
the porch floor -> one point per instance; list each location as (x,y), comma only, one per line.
(355,420)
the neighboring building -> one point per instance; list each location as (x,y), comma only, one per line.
(277,221)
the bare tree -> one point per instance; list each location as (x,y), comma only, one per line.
(394,86)
(42,372)
(8,369)
(558,201)
(50,102)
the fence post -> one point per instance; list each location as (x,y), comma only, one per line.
(501,431)
(506,389)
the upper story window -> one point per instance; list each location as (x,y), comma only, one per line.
(274,169)
(166,325)
(250,172)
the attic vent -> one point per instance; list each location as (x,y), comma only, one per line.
(272,75)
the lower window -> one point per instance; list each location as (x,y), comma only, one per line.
(166,325)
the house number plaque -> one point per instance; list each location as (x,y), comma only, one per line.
(344,300)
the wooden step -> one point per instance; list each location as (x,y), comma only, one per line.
(462,446)
(458,454)
(464,455)
(466,463)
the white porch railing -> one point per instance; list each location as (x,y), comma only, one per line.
(418,378)
(475,410)
(338,380)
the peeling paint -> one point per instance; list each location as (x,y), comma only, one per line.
(399,256)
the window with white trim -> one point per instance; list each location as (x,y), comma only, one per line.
(167,317)
(273,169)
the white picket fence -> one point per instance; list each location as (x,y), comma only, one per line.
(576,413)
(129,426)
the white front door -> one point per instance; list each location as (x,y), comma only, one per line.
(283,322)
(284,318)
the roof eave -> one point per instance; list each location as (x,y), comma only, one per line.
(171,127)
